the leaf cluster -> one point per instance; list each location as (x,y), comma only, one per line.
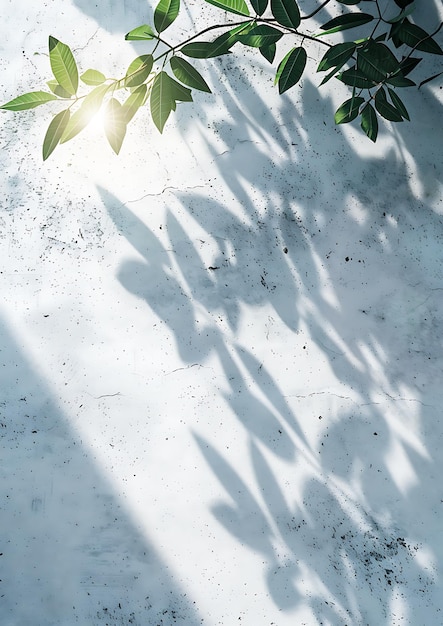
(376,66)
(373,67)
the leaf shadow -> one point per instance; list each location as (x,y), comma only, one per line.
(301,225)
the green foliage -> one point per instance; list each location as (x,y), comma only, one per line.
(141,33)
(286,12)
(93,77)
(386,110)
(369,122)
(348,111)
(139,70)
(260,36)
(161,100)
(165,13)
(259,6)
(54,133)
(89,106)
(115,124)
(343,22)
(416,38)
(205,49)
(337,56)
(233,6)
(63,66)
(134,101)
(373,67)
(188,74)
(57,89)
(269,52)
(291,69)
(28,101)
(376,61)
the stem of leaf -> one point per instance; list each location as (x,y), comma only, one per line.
(317,10)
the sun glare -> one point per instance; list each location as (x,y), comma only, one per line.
(97,122)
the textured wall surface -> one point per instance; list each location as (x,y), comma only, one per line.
(221,352)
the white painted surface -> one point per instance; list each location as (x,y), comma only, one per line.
(255,444)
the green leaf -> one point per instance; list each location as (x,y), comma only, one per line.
(417,38)
(58,89)
(78,121)
(393,35)
(269,52)
(259,36)
(179,92)
(28,101)
(428,80)
(161,100)
(141,33)
(376,61)
(286,12)
(291,69)
(139,70)
(228,39)
(165,13)
(329,76)
(188,75)
(54,132)
(348,111)
(259,6)
(233,6)
(386,109)
(369,122)
(204,49)
(404,13)
(63,65)
(115,124)
(81,118)
(400,81)
(408,64)
(398,104)
(355,78)
(398,78)
(337,56)
(134,102)
(93,77)
(343,22)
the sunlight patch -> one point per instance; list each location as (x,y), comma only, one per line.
(379,350)
(373,364)
(398,608)
(357,211)
(427,561)
(400,468)
(405,422)
(392,221)
(384,240)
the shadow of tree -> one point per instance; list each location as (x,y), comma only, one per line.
(297,227)
(70,552)
(116,16)
(345,259)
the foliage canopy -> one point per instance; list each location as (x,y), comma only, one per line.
(374,67)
